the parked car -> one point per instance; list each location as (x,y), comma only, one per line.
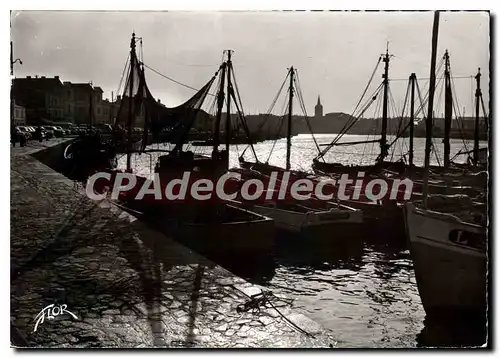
(21,135)
(58,131)
(33,130)
(23,131)
(30,129)
(49,132)
(104,128)
(67,127)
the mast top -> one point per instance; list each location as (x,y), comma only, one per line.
(386,57)
(229,52)
(446,57)
(132,41)
(319,102)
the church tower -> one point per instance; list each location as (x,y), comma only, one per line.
(318,109)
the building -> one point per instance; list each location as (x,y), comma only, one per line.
(79,103)
(19,115)
(318,109)
(42,98)
(102,108)
(48,100)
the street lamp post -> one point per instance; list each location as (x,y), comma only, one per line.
(12,62)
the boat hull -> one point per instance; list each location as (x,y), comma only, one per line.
(449,261)
(251,235)
(313,225)
(230,233)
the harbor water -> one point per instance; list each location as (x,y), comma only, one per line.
(365,293)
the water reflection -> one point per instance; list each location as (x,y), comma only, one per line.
(329,254)
(365,291)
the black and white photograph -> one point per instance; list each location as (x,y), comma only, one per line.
(250,179)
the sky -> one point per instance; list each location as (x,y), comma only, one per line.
(335,52)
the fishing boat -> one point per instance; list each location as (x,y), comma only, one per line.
(450,261)
(449,250)
(311,219)
(320,165)
(264,167)
(213,227)
(314,219)
(476,158)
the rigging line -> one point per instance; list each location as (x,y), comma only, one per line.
(271,107)
(301,101)
(456,108)
(244,126)
(175,81)
(361,113)
(281,122)
(486,117)
(367,106)
(437,83)
(241,113)
(426,98)
(375,115)
(237,91)
(280,125)
(127,64)
(403,143)
(399,133)
(402,114)
(420,99)
(352,120)
(434,146)
(368,85)
(419,109)
(193,65)
(426,78)
(357,105)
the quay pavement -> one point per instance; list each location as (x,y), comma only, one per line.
(126,284)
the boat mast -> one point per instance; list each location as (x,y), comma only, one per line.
(111,109)
(131,86)
(413,77)
(228,118)
(220,104)
(289,127)
(383,135)
(90,107)
(447,109)
(476,127)
(429,119)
